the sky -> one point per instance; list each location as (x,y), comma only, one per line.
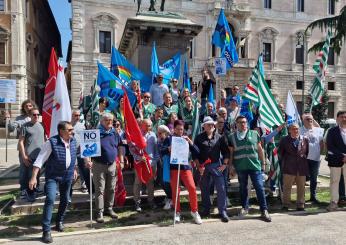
(62,14)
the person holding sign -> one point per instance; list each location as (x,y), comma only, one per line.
(59,154)
(179,164)
(104,167)
(211,145)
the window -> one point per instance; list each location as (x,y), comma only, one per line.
(191,49)
(331,108)
(2,5)
(267,52)
(300,54)
(269,83)
(331,58)
(299,84)
(105,42)
(2,53)
(300,5)
(213,50)
(299,105)
(331,7)
(267,4)
(331,85)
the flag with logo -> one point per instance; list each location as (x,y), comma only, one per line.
(155,67)
(268,108)
(61,106)
(320,67)
(222,38)
(292,111)
(171,69)
(111,87)
(127,72)
(49,92)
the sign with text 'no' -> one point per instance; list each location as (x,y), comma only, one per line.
(220,66)
(7,91)
(90,145)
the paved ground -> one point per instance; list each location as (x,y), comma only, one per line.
(12,153)
(322,228)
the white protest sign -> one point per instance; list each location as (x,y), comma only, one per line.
(90,145)
(7,91)
(220,66)
(179,151)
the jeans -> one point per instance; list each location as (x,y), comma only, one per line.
(257,180)
(314,166)
(50,190)
(25,176)
(211,173)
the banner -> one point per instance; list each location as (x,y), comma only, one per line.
(179,151)
(7,91)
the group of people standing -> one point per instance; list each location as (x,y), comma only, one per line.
(226,146)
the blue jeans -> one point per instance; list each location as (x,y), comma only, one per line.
(257,181)
(211,173)
(25,176)
(314,166)
(50,190)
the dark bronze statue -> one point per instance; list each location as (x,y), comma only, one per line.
(152,5)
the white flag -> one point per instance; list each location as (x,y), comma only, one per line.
(291,110)
(61,105)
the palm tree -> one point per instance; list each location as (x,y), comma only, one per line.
(338,25)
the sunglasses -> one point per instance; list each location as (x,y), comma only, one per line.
(36,114)
(69,129)
(76,115)
(146,97)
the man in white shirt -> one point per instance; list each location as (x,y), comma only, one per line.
(315,137)
(59,154)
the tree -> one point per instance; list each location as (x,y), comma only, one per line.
(319,111)
(338,25)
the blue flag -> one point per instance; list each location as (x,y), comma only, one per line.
(127,72)
(246,111)
(155,67)
(222,38)
(110,87)
(186,78)
(171,69)
(211,95)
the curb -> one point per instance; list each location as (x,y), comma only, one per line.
(138,227)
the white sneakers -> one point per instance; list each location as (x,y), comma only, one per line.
(177,217)
(168,204)
(196,217)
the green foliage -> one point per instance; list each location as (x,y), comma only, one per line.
(319,111)
(338,25)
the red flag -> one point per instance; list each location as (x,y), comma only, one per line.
(132,131)
(143,169)
(49,92)
(120,191)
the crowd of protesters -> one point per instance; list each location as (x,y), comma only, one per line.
(226,145)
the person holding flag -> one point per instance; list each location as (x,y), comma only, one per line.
(208,81)
(211,145)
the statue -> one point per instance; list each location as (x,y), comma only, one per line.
(152,5)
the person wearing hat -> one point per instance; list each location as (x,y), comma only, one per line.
(157,90)
(211,145)
(247,159)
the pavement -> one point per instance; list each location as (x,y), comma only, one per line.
(293,228)
(12,153)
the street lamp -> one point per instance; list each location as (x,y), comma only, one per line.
(301,44)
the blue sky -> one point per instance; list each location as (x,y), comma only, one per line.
(62,13)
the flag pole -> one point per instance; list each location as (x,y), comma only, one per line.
(176,195)
(91,198)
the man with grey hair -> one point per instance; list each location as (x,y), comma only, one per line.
(104,167)
(315,137)
(152,150)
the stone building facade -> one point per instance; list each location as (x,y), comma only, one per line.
(27,32)
(272,27)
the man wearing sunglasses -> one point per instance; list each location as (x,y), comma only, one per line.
(59,153)
(31,139)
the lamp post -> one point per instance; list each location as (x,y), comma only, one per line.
(301,43)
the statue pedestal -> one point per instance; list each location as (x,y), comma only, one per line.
(171,32)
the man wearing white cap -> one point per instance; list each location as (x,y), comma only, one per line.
(210,146)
